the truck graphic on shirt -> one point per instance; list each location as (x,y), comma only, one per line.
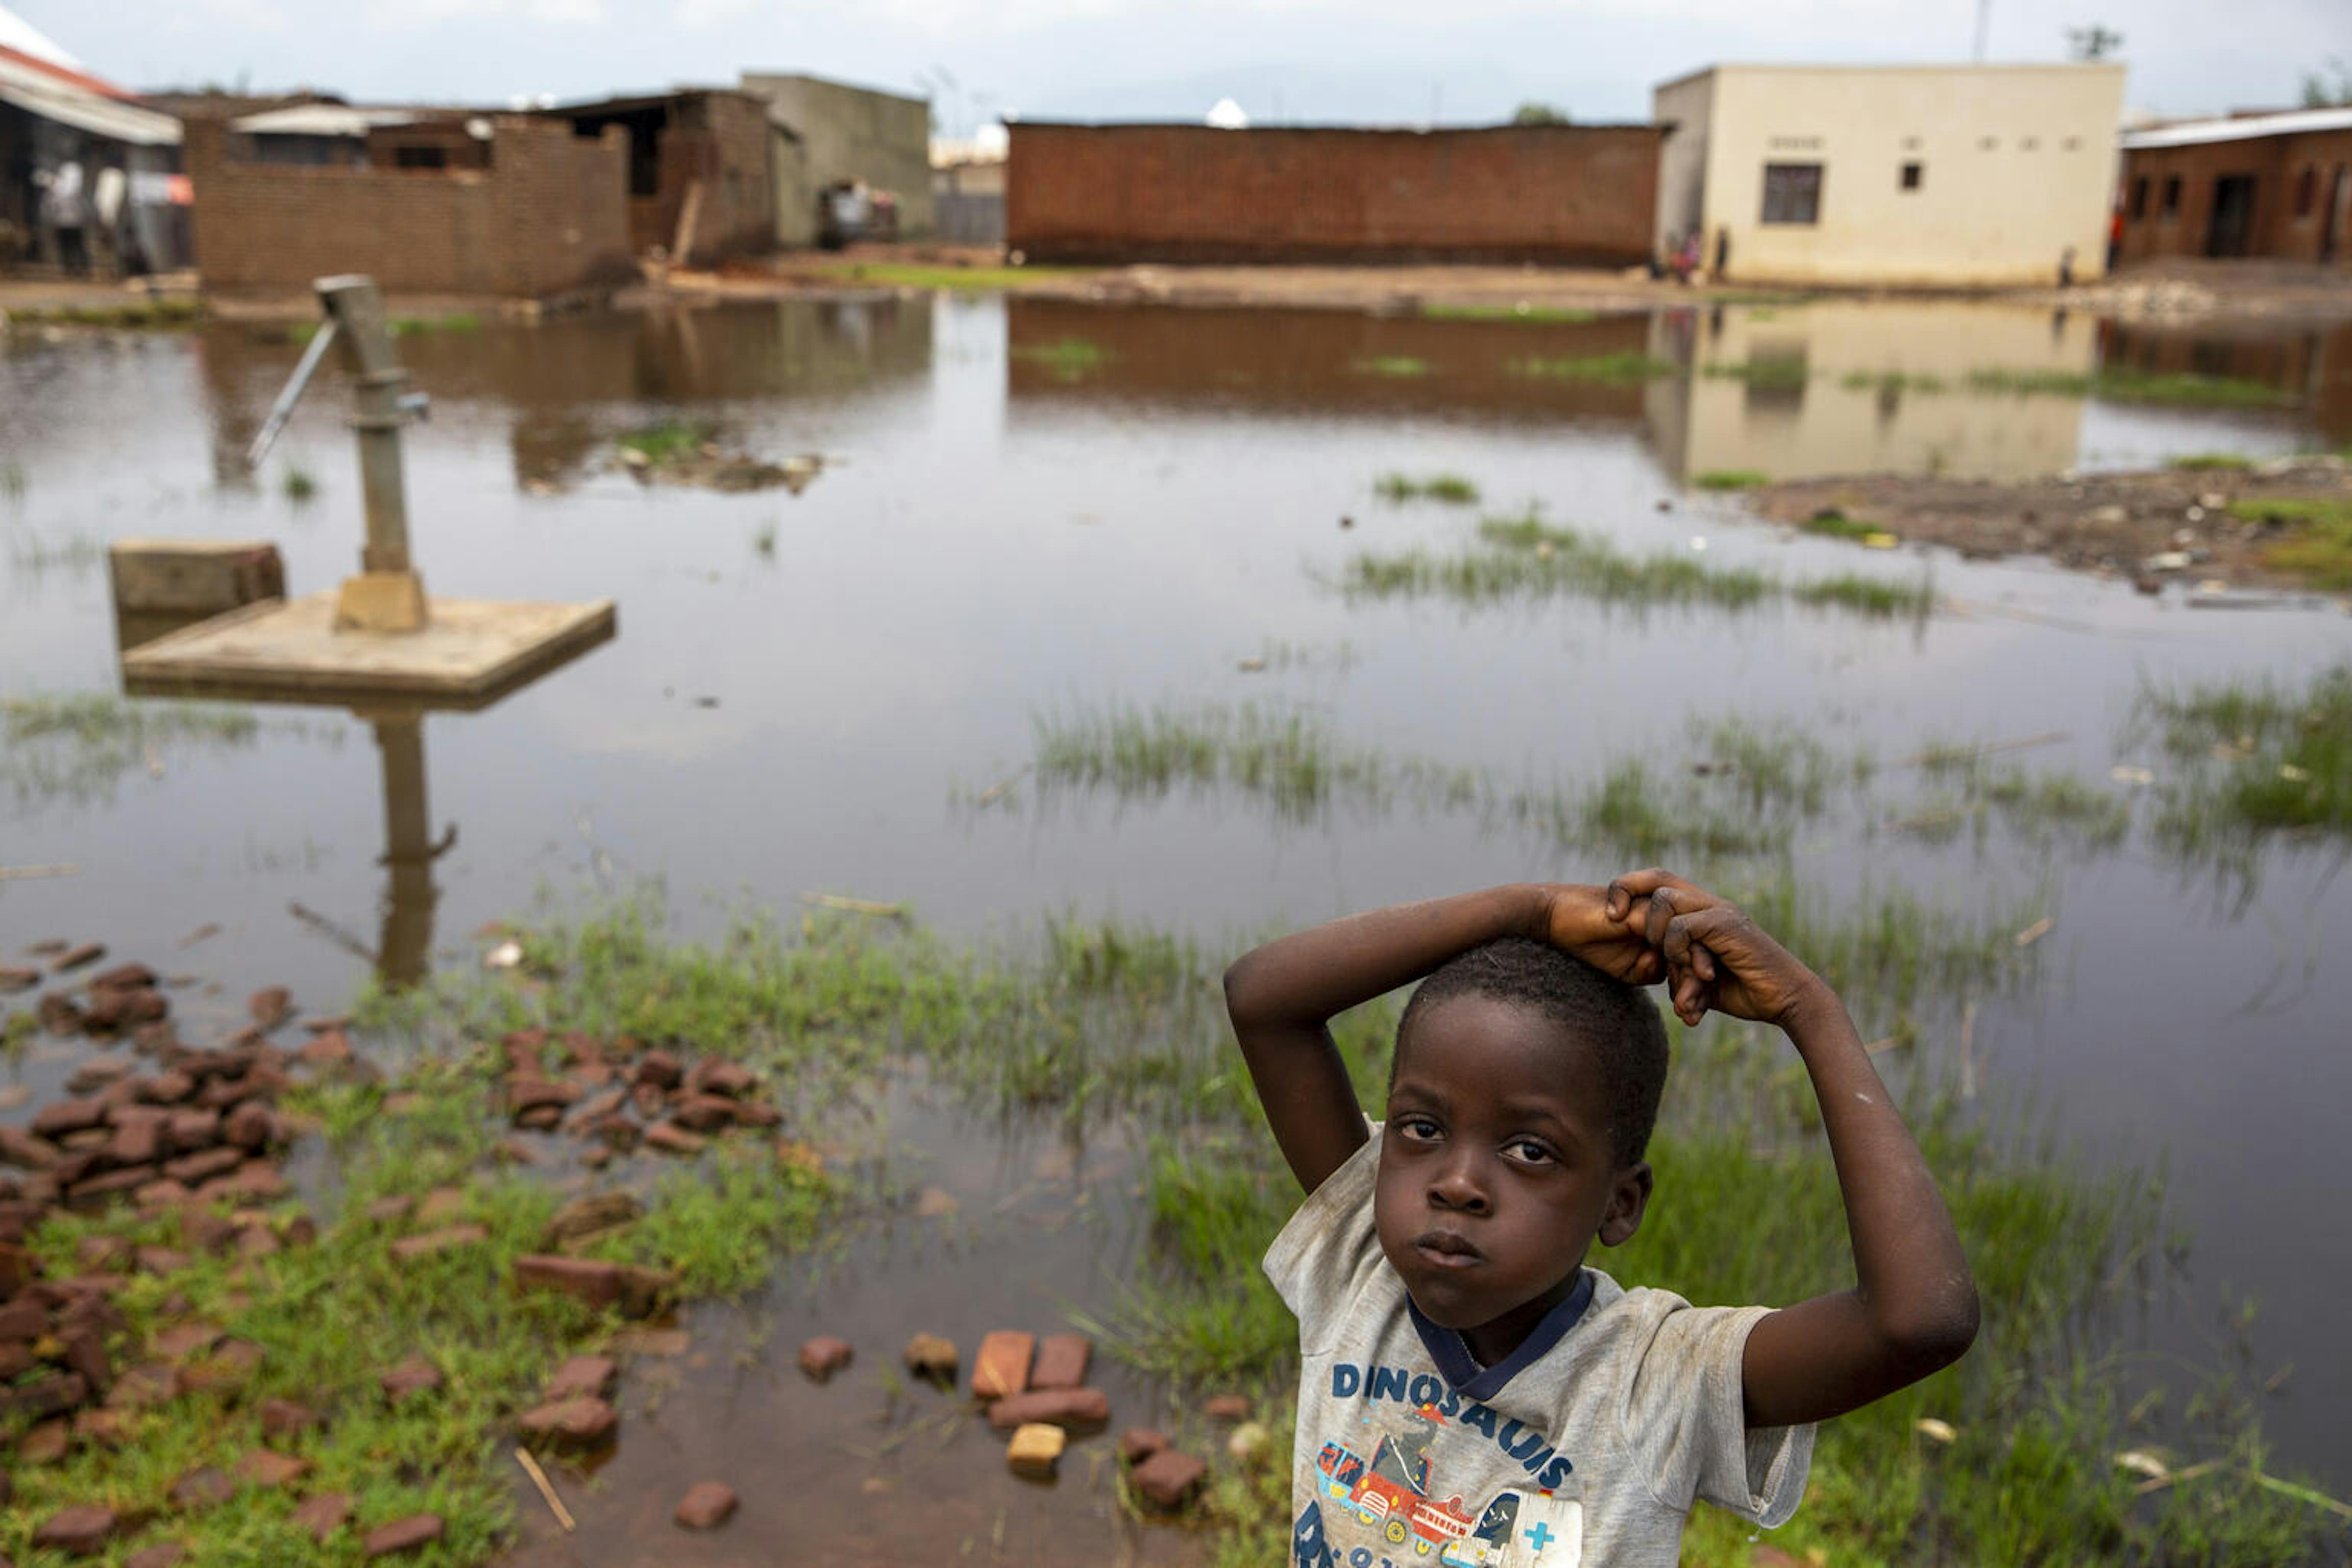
(1516,1529)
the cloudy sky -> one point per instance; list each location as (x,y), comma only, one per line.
(1379,61)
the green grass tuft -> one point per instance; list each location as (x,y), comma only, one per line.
(1732,480)
(2319,550)
(670,442)
(1452,489)
(1835,524)
(2117,384)
(1066,359)
(298,484)
(2212,463)
(1599,370)
(1773,375)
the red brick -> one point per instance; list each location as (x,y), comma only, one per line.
(1001,1367)
(402,1535)
(1061,1361)
(592,1281)
(1061,1406)
(1190,193)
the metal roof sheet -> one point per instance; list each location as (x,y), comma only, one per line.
(2244,128)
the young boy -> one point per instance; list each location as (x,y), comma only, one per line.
(1471,1392)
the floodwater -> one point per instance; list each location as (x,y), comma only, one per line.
(808,691)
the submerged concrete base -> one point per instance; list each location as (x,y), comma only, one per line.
(194,576)
(468,653)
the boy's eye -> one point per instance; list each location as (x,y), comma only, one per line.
(1419,1128)
(1527,1152)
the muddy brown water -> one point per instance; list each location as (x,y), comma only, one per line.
(1003,533)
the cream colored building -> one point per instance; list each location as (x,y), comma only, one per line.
(1920,176)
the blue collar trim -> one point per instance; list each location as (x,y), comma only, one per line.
(1461,1369)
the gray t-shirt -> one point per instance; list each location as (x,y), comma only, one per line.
(1584,1450)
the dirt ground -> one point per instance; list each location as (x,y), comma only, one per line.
(2176,288)
(2169,526)
(2183,290)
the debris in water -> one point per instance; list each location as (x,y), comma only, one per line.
(546,1490)
(705,1506)
(1940,1431)
(856,906)
(2034,933)
(1035,1450)
(2127,775)
(506,955)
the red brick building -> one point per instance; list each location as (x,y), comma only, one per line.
(1108,194)
(715,138)
(541,211)
(2277,185)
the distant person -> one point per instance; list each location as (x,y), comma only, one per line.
(1722,253)
(2115,238)
(1453,1344)
(65,210)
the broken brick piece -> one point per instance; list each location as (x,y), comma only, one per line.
(1087,1408)
(402,1535)
(825,1355)
(1061,1361)
(267,1469)
(78,1532)
(409,1248)
(706,1505)
(928,1355)
(1035,1450)
(1001,1367)
(1138,1444)
(1169,1479)
(570,1423)
(415,1376)
(590,1280)
(583,1376)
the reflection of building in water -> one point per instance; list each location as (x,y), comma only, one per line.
(1875,388)
(1078,355)
(571,384)
(2312,365)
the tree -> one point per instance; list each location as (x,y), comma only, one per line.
(2096,42)
(2319,92)
(1534,113)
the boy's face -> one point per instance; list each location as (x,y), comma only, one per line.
(1496,1169)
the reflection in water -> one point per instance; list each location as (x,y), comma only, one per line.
(405,950)
(565,391)
(2314,363)
(1865,388)
(1309,361)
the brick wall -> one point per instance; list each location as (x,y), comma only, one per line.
(549,216)
(1188,193)
(2279,164)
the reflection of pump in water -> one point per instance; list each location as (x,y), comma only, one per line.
(405,950)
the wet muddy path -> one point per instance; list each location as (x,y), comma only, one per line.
(1034,513)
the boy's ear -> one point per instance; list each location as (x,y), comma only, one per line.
(1629,1198)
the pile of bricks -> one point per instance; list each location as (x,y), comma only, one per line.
(620,1096)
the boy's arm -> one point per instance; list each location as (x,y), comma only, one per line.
(1913,1309)
(1283,995)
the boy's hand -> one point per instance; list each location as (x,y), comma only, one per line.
(1716,957)
(1577,921)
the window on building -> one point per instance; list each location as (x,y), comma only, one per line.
(420,157)
(1911,175)
(2029,144)
(1792,193)
(1989,144)
(2307,191)
(2073,144)
(2171,196)
(2139,198)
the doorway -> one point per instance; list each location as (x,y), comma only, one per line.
(2332,218)
(2232,226)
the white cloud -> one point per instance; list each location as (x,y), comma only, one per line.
(699,15)
(586,13)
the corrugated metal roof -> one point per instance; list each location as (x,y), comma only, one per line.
(2246,128)
(42,91)
(322,120)
(15,33)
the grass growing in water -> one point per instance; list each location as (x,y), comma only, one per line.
(14,481)
(1393,367)
(300,485)
(671,441)
(1452,489)
(2116,384)
(156,315)
(1554,315)
(1773,375)
(763,540)
(1732,480)
(2212,463)
(1523,558)
(1066,359)
(2246,763)
(1599,370)
(1893,383)
(80,747)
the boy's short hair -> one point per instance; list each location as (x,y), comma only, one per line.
(1619,1022)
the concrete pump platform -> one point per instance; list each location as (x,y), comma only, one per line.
(469,653)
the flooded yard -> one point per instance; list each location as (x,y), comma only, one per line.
(1126,634)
